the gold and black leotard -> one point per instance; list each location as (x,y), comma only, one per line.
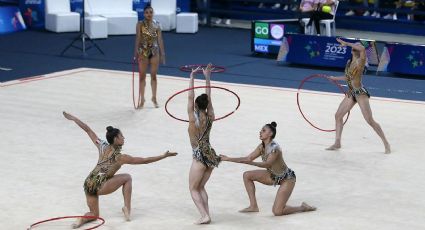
(105,169)
(352,73)
(148,46)
(278,171)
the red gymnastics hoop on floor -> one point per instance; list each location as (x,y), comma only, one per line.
(200,87)
(132,86)
(298,99)
(71,217)
(214,68)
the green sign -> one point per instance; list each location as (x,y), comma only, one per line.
(261,30)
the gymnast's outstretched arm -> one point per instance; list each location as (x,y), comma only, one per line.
(207,74)
(83,126)
(127,159)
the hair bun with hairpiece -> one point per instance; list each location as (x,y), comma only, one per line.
(109,128)
(274,124)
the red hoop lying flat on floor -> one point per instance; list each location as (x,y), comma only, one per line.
(71,217)
(298,99)
(200,87)
(132,86)
(214,68)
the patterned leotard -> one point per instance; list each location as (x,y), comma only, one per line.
(105,169)
(280,171)
(148,46)
(204,152)
(350,74)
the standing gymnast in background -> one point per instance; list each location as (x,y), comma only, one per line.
(102,180)
(274,172)
(201,117)
(148,50)
(357,93)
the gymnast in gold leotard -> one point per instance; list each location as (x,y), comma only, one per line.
(148,51)
(103,179)
(274,171)
(357,93)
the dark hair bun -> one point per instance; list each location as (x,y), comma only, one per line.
(109,128)
(274,124)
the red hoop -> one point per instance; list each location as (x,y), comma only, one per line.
(71,217)
(132,86)
(298,99)
(214,68)
(200,87)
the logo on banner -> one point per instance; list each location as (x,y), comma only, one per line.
(262,48)
(30,16)
(415,58)
(261,30)
(312,49)
(32,2)
(277,31)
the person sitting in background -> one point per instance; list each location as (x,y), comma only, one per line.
(401,4)
(201,5)
(420,6)
(366,4)
(293,5)
(375,7)
(323,9)
(224,5)
(306,10)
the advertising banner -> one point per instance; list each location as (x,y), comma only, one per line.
(77,6)
(183,6)
(403,58)
(267,35)
(33,13)
(11,20)
(321,51)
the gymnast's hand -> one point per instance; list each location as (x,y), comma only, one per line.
(207,70)
(332,78)
(194,71)
(68,116)
(343,43)
(170,154)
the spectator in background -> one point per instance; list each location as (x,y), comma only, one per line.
(306,10)
(366,4)
(323,9)
(201,5)
(375,7)
(401,4)
(224,5)
(293,5)
(420,6)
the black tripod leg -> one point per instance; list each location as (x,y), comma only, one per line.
(94,43)
(70,45)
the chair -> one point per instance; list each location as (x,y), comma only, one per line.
(187,23)
(120,16)
(96,27)
(165,13)
(59,17)
(330,23)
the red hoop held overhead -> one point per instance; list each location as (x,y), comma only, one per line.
(132,86)
(71,217)
(200,87)
(214,68)
(298,99)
